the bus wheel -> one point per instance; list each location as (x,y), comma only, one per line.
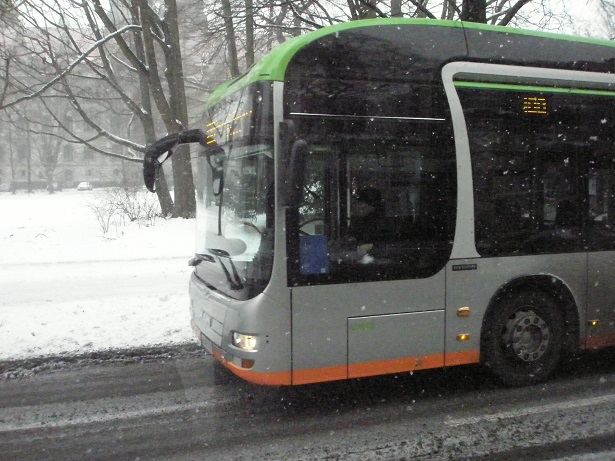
(522,340)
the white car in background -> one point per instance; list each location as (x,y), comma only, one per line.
(84,186)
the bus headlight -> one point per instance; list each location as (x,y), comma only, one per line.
(244,341)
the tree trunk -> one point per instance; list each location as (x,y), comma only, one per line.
(185,203)
(474,11)
(12,160)
(163,194)
(162,188)
(396,9)
(29,155)
(249,33)
(363,9)
(231,40)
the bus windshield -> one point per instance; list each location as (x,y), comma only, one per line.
(234,191)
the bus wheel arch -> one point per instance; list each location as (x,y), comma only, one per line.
(531,327)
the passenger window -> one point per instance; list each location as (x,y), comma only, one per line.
(377,208)
(542,181)
(601,195)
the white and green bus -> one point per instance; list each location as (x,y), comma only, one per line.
(392,195)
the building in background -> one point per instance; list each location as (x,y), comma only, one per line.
(51,166)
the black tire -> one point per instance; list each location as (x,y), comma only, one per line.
(523,338)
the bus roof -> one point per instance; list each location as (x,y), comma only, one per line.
(272,67)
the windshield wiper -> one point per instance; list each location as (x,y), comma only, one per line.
(234,280)
(199,258)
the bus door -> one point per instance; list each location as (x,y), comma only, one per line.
(372,236)
(601,243)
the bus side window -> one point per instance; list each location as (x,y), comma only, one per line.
(528,165)
(379,195)
(601,193)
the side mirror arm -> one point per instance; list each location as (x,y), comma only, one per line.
(158,152)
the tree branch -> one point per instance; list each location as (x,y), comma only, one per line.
(7,76)
(70,67)
(512,12)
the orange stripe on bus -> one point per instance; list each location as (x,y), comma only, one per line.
(358,370)
(276,378)
(462,358)
(598,342)
(320,375)
(382,367)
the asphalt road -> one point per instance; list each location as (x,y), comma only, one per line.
(186,407)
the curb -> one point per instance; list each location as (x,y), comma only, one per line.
(10,369)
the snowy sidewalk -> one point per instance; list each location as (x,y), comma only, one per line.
(67,289)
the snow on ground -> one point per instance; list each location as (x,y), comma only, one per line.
(68,288)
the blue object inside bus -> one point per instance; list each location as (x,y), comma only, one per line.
(313,255)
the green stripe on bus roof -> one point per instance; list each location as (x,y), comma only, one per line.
(272,67)
(538,33)
(543,89)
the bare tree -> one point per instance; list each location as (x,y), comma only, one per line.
(231,39)
(537,14)
(127,73)
(607,9)
(116,66)
(163,77)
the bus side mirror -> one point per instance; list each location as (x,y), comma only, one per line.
(295,174)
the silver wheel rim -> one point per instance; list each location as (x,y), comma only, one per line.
(526,335)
